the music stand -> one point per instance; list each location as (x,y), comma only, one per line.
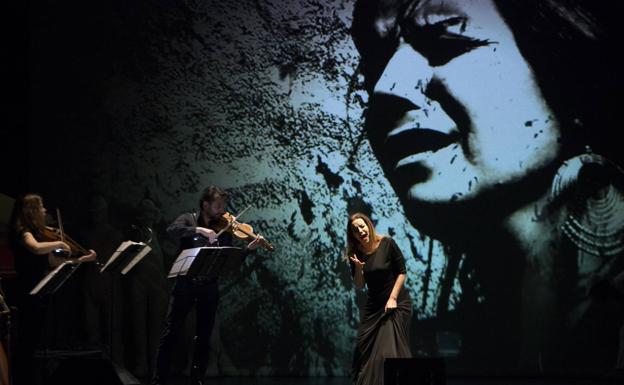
(127,255)
(204,261)
(55,279)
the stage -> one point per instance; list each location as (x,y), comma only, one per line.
(81,367)
(450,381)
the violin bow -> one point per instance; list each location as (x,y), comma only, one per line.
(60,224)
(242,212)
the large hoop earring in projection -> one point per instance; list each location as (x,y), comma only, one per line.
(592,188)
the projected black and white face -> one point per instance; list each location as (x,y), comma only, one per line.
(454,108)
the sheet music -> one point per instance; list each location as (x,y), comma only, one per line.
(123,247)
(183,262)
(186,258)
(136,259)
(65,265)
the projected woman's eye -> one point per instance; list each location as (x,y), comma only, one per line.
(442,41)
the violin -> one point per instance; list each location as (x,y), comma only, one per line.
(243,231)
(52,234)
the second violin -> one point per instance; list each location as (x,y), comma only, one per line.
(242,231)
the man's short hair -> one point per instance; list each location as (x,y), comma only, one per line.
(211,194)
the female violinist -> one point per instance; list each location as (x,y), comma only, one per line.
(31,239)
(32,244)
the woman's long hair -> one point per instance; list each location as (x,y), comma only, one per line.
(27,216)
(352,242)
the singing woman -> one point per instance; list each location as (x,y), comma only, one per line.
(377,262)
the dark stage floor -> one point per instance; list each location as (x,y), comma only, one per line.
(84,366)
(449,381)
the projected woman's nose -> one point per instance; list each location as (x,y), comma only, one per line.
(405,119)
(406,75)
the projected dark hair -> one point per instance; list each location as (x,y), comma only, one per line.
(570,46)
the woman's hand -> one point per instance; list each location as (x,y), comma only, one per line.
(390,305)
(62,245)
(92,256)
(53,260)
(358,274)
(358,264)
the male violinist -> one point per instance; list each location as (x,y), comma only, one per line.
(194,230)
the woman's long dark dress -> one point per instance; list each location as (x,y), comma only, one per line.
(381,335)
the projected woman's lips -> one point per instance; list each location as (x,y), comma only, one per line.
(404,145)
